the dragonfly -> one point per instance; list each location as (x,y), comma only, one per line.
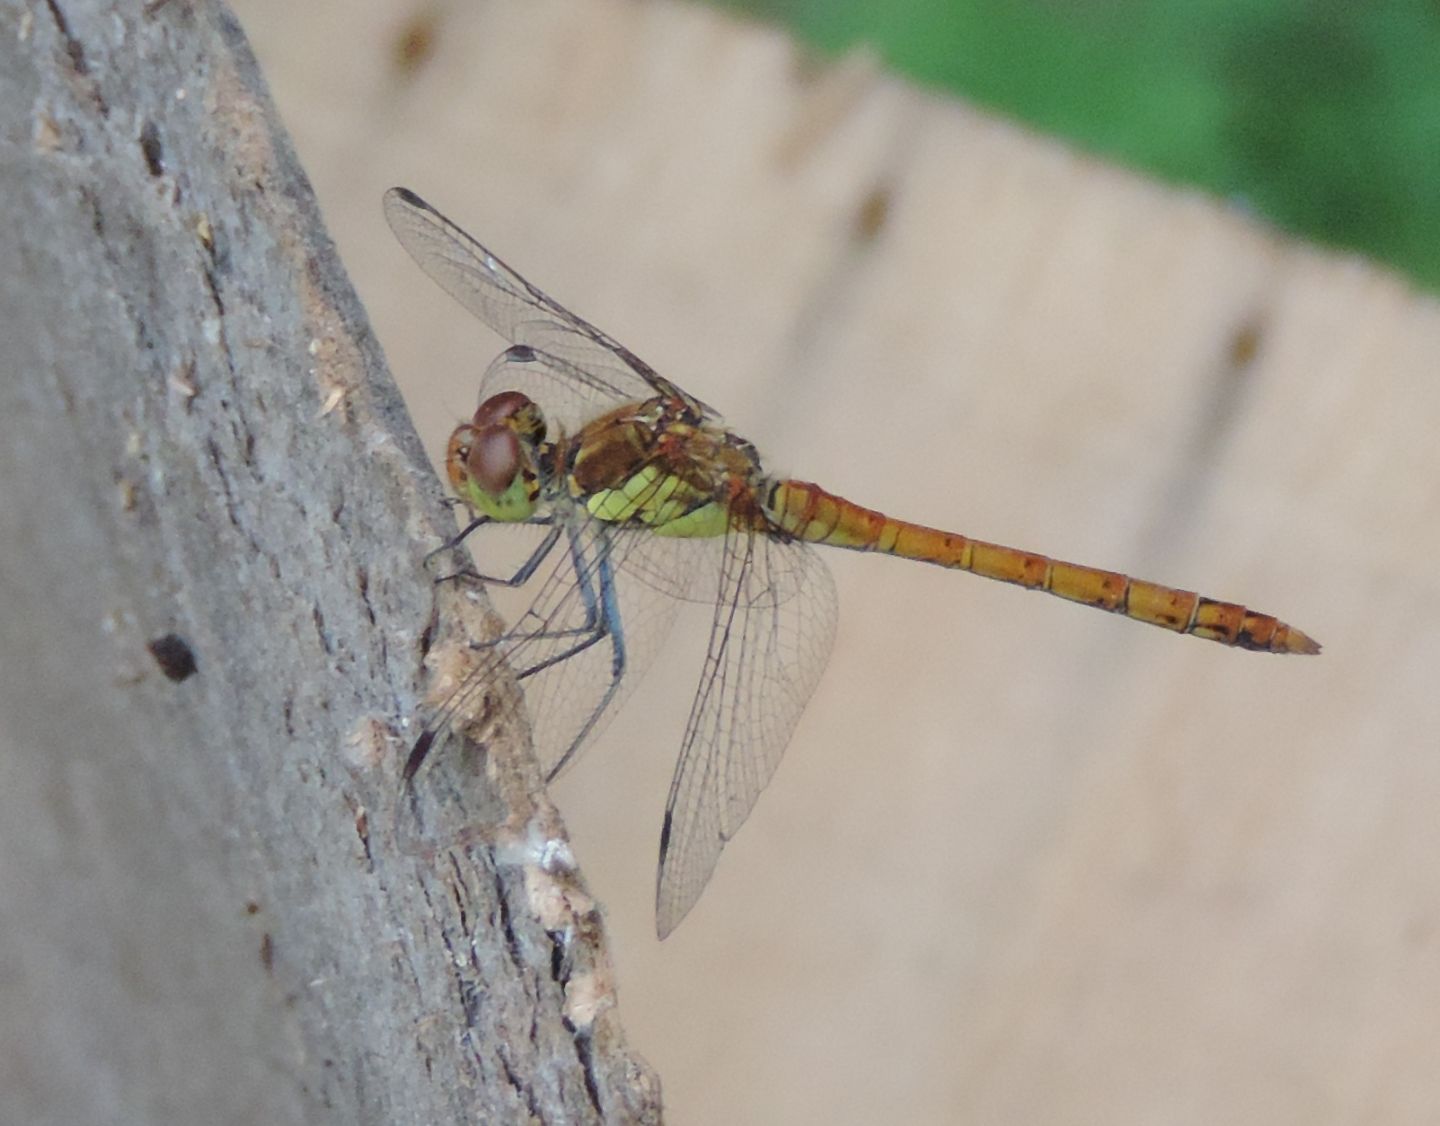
(642,499)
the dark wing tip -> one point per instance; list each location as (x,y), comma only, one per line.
(663,923)
(405,195)
(417,755)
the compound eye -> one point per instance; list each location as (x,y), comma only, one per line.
(494,458)
(497,409)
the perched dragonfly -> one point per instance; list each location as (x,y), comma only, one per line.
(643,498)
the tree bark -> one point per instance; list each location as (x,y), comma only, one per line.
(213,621)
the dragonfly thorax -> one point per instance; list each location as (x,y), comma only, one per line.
(493,460)
(662,465)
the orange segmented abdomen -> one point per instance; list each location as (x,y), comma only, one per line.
(810,513)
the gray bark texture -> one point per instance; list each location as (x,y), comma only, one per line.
(206,914)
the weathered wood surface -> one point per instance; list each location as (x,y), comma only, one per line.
(206,917)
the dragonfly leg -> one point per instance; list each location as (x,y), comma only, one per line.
(594,628)
(587,633)
(526,569)
(605,612)
(538,556)
(595,586)
(460,537)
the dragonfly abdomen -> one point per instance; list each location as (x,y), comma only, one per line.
(808,512)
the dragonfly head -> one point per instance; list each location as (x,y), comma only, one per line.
(492,460)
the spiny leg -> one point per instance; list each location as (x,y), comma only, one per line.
(526,569)
(610,626)
(591,630)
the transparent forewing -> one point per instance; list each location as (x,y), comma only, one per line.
(688,573)
(514,308)
(569,393)
(570,702)
(588,634)
(566,399)
(772,634)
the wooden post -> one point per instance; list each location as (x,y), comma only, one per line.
(213,511)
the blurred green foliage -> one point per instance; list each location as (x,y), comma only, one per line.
(1321,115)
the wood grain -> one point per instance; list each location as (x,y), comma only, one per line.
(212,627)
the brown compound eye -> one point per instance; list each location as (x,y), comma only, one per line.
(498,409)
(494,458)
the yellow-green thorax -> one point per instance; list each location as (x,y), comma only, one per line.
(646,463)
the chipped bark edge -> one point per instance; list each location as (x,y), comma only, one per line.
(244,485)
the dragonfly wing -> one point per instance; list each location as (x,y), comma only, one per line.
(517,310)
(585,639)
(571,701)
(572,388)
(569,396)
(605,376)
(771,638)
